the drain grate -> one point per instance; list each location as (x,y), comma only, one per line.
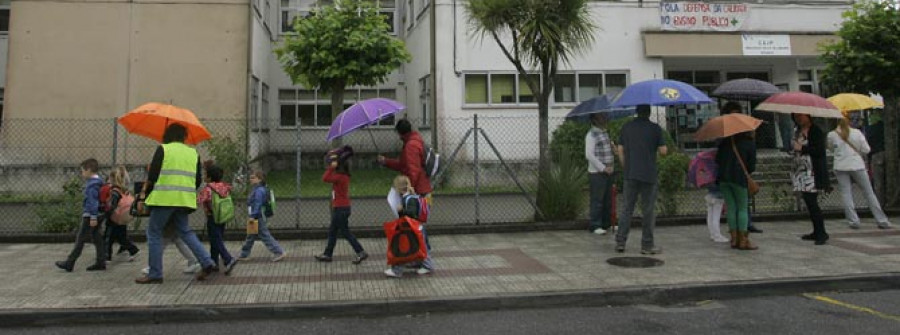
(635,262)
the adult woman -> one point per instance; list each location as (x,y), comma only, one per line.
(809,175)
(849,146)
(736,159)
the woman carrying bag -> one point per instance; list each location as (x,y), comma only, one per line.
(736,158)
(810,173)
(849,146)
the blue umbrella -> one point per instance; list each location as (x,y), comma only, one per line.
(599,104)
(660,92)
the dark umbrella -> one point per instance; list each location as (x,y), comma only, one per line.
(745,89)
(600,104)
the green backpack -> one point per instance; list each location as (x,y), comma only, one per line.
(222,208)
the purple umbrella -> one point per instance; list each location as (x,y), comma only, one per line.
(361,114)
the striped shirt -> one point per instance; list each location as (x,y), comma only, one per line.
(598,150)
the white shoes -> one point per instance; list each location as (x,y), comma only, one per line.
(192,268)
(391,273)
(279,257)
(423,271)
(719,239)
(600,231)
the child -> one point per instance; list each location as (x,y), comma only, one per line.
(715,200)
(338,174)
(89,210)
(259,198)
(403,186)
(115,231)
(215,229)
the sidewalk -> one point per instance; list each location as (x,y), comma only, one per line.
(469,267)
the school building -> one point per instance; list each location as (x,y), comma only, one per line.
(90,59)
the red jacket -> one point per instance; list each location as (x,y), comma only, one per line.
(410,162)
(204,199)
(340,187)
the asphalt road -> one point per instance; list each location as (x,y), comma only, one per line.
(820,314)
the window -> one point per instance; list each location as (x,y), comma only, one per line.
(291,9)
(564,88)
(425,97)
(254,103)
(476,88)
(589,86)
(4,20)
(503,88)
(312,108)
(525,93)
(389,11)
(264,107)
(615,83)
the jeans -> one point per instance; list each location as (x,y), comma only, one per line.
(340,224)
(846,179)
(162,216)
(815,214)
(601,200)
(217,247)
(85,232)
(647,192)
(738,211)
(118,234)
(427,263)
(263,235)
(786,130)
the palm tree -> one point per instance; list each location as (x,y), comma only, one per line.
(538,34)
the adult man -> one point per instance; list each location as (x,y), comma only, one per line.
(639,142)
(598,150)
(410,161)
(171,194)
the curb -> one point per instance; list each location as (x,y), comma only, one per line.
(448,229)
(660,295)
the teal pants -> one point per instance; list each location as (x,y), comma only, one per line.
(737,212)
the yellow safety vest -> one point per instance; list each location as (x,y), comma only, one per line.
(176,186)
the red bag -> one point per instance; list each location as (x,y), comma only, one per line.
(406,243)
(104,197)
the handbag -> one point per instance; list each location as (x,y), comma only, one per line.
(752,185)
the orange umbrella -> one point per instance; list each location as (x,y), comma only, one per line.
(151,120)
(726,125)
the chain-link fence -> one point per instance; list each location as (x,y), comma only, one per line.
(489,171)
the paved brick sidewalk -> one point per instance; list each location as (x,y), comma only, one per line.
(468,265)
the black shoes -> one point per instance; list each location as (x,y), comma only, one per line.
(808,237)
(65,265)
(202,274)
(753,229)
(360,257)
(97,267)
(230,266)
(323,258)
(148,280)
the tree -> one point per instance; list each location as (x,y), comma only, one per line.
(540,34)
(347,44)
(864,60)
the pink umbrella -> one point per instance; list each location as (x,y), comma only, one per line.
(800,103)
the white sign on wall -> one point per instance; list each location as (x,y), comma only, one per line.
(702,16)
(766,45)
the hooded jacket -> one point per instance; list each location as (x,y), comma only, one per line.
(410,162)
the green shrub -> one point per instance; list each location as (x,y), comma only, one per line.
(230,154)
(63,215)
(672,178)
(563,199)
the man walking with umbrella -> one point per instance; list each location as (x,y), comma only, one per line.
(639,142)
(410,161)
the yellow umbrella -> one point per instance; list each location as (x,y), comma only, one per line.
(853,102)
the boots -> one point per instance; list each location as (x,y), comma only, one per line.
(735,239)
(745,243)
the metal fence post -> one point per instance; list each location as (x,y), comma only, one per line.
(297,199)
(115,144)
(477,176)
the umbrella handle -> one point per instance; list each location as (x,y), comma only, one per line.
(369,130)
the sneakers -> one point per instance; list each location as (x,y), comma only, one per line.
(392,274)
(651,251)
(65,265)
(279,258)
(132,256)
(97,267)
(854,225)
(720,239)
(360,257)
(146,270)
(600,231)
(192,268)
(884,225)
(230,266)
(423,271)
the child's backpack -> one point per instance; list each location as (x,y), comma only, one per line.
(415,207)
(104,197)
(222,208)
(406,243)
(702,170)
(269,206)
(122,213)
(431,161)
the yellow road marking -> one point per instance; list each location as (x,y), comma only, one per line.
(852,306)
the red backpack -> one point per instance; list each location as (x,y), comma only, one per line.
(104,197)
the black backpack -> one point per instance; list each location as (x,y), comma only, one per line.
(431,161)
